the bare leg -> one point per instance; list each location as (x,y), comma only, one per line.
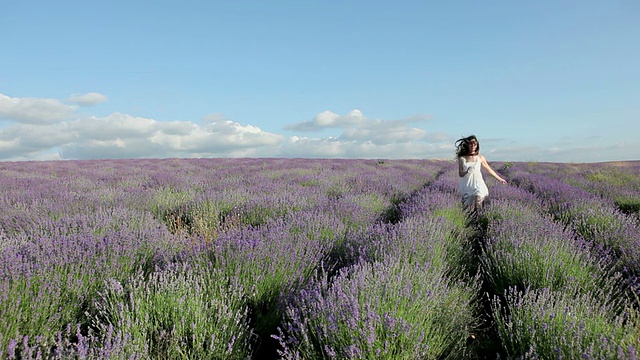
(477,202)
(467,201)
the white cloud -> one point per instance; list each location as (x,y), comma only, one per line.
(113,126)
(330,147)
(9,145)
(34,110)
(356,127)
(125,136)
(363,136)
(32,142)
(213,117)
(88,99)
(44,129)
(354,121)
(328,119)
(384,132)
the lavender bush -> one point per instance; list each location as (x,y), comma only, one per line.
(386,310)
(276,258)
(48,282)
(547,324)
(189,311)
(417,239)
(526,249)
(593,217)
(556,295)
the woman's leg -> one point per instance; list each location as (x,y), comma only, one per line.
(477,203)
(467,201)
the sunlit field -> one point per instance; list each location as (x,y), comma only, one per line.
(317,259)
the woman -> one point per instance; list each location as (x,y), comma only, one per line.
(470,161)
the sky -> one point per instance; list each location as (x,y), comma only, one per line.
(545,80)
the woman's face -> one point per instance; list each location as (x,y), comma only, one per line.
(473,146)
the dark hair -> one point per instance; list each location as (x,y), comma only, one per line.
(463,146)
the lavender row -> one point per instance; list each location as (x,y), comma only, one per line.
(387,310)
(618,183)
(547,324)
(555,295)
(591,216)
(526,249)
(49,281)
(184,310)
(398,301)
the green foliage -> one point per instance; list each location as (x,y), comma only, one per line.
(46,315)
(614,177)
(507,165)
(455,215)
(562,324)
(189,312)
(385,310)
(628,205)
(458,247)
(48,301)
(507,264)
(527,256)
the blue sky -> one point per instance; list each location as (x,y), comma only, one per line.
(535,81)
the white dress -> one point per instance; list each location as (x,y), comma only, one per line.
(472,183)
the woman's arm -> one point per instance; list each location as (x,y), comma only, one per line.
(461,171)
(485,165)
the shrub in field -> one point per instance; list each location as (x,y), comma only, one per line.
(419,238)
(551,191)
(442,211)
(617,183)
(276,258)
(629,205)
(595,218)
(428,200)
(209,214)
(609,227)
(547,324)
(71,343)
(528,250)
(517,195)
(382,310)
(415,240)
(47,282)
(620,185)
(185,311)
(366,208)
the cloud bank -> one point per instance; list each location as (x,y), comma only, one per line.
(42,129)
(34,110)
(51,129)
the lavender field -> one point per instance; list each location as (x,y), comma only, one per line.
(317,259)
